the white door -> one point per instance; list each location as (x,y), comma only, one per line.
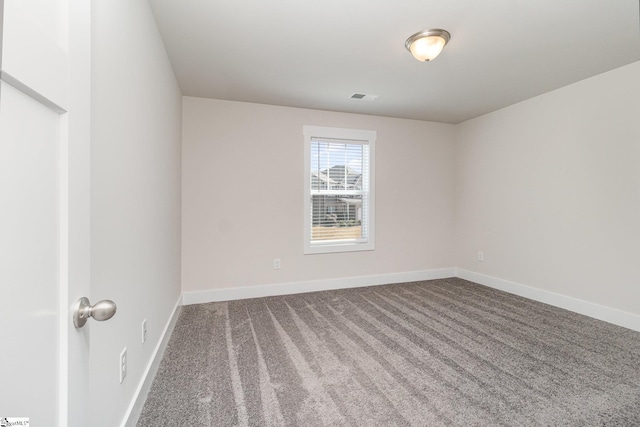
(44,209)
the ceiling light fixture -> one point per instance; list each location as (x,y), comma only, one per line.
(427,45)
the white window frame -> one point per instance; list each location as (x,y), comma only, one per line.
(363,136)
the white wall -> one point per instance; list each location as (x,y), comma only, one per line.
(549,189)
(135,197)
(242,159)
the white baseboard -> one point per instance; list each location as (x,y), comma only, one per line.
(230,294)
(140,396)
(597,311)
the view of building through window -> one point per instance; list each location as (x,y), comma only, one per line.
(339,183)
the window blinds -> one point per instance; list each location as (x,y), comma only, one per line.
(339,190)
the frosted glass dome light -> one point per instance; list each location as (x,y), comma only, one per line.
(426,45)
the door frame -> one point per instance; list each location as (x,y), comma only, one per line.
(75,218)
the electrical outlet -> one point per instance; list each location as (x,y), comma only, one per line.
(480,256)
(123,364)
(276,264)
(144,331)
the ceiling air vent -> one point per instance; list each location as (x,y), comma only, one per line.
(364,97)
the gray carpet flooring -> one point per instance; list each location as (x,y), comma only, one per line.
(441,352)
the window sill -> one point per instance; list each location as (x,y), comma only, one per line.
(338,248)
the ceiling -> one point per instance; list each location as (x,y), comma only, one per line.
(316,54)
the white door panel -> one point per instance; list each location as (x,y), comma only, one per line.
(28,257)
(32,59)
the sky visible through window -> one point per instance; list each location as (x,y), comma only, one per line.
(325,155)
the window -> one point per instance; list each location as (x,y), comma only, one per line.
(339,189)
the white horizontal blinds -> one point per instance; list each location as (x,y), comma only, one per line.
(339,190)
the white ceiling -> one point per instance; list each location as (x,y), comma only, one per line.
(315,54)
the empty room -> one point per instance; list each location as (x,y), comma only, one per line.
(358,213)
